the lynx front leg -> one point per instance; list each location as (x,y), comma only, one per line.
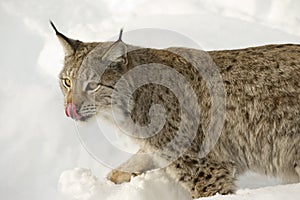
(137,164)
(203,177)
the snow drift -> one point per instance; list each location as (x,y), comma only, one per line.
(81,184)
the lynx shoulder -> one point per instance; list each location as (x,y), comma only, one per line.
(261,113)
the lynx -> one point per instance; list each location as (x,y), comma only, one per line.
(261,130)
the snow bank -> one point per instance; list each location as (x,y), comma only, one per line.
(81,184)
(280,192)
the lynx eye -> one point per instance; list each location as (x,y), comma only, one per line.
(67,82)
(92,86)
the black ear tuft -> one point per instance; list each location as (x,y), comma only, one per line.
(53,26)
(120,35)
(69,45)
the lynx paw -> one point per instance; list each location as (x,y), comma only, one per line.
(119,177)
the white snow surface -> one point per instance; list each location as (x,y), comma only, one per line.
(38,143)
(82,185)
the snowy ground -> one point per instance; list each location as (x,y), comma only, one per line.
(38,143)
(82,185)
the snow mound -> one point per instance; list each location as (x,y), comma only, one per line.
(279,192)
(80,184)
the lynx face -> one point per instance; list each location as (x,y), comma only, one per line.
(89,74)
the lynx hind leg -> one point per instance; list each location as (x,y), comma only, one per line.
(203,177)
(289,169)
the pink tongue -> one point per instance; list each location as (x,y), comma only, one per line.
(71,111)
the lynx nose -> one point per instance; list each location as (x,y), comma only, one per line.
(71,111)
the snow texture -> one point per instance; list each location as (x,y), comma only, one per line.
(82,185)
(38,142)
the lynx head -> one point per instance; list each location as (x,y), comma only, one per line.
(89,74)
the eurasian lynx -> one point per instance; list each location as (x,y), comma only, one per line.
(261,129)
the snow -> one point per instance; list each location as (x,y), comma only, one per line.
(38,143)
(82,185)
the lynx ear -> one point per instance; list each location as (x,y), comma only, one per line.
(117,52)
(69,45)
